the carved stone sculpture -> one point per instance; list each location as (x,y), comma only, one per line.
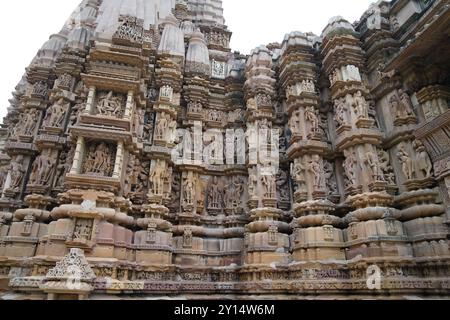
(312,118)
(406,162)
(386,167)
(165,128)
(189,190)
(157,178)
(405,105)
(27,123)
(282,184)
(40,89)
(109,105)
(166,92)
(56,114)
(329,178)
(77,110)
(65,163)
(360,106)
(214,194)
(341,109)
(315,167)
(253,184)
(339,191)
(401,105)
(350,168)
(269,186)
(17,171)
(423,160)
(99,160)
(64,81)
(298,170)
(373,164)
(42,170)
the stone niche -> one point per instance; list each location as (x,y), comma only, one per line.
(99,159)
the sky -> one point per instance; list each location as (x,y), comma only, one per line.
(25,25)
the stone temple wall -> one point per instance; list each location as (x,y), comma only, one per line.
(141,156)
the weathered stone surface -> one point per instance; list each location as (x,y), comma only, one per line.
(140,156)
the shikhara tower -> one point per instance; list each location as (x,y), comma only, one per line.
(90,194)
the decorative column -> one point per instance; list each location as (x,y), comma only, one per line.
(316,235)
(155,243)
(268,239)
(372,230)
(408,99)
(189,234)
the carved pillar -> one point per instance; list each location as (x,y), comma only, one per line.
(118,164)
(316,234)
(79,155)
(268,240)
(90,104)
(359,141)
(129,105)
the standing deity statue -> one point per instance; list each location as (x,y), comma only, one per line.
(312,118)
(406,162)
(55,115)
(167,180)
(62,169)
(139,179)
(30,123)
(238,186)
(228,194)
(17,171)
(27,123)
(42,170)
(405,105)
(350,168)
(329,178)
(395,106)
(172,131)
(283,186)
(187,237)
(157,178)
(189,189)
(423,160)
(214,194)
(161,126)
(298,170)
(360,106)
(315,167)
(341,109)
(269,185)
(373,164)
